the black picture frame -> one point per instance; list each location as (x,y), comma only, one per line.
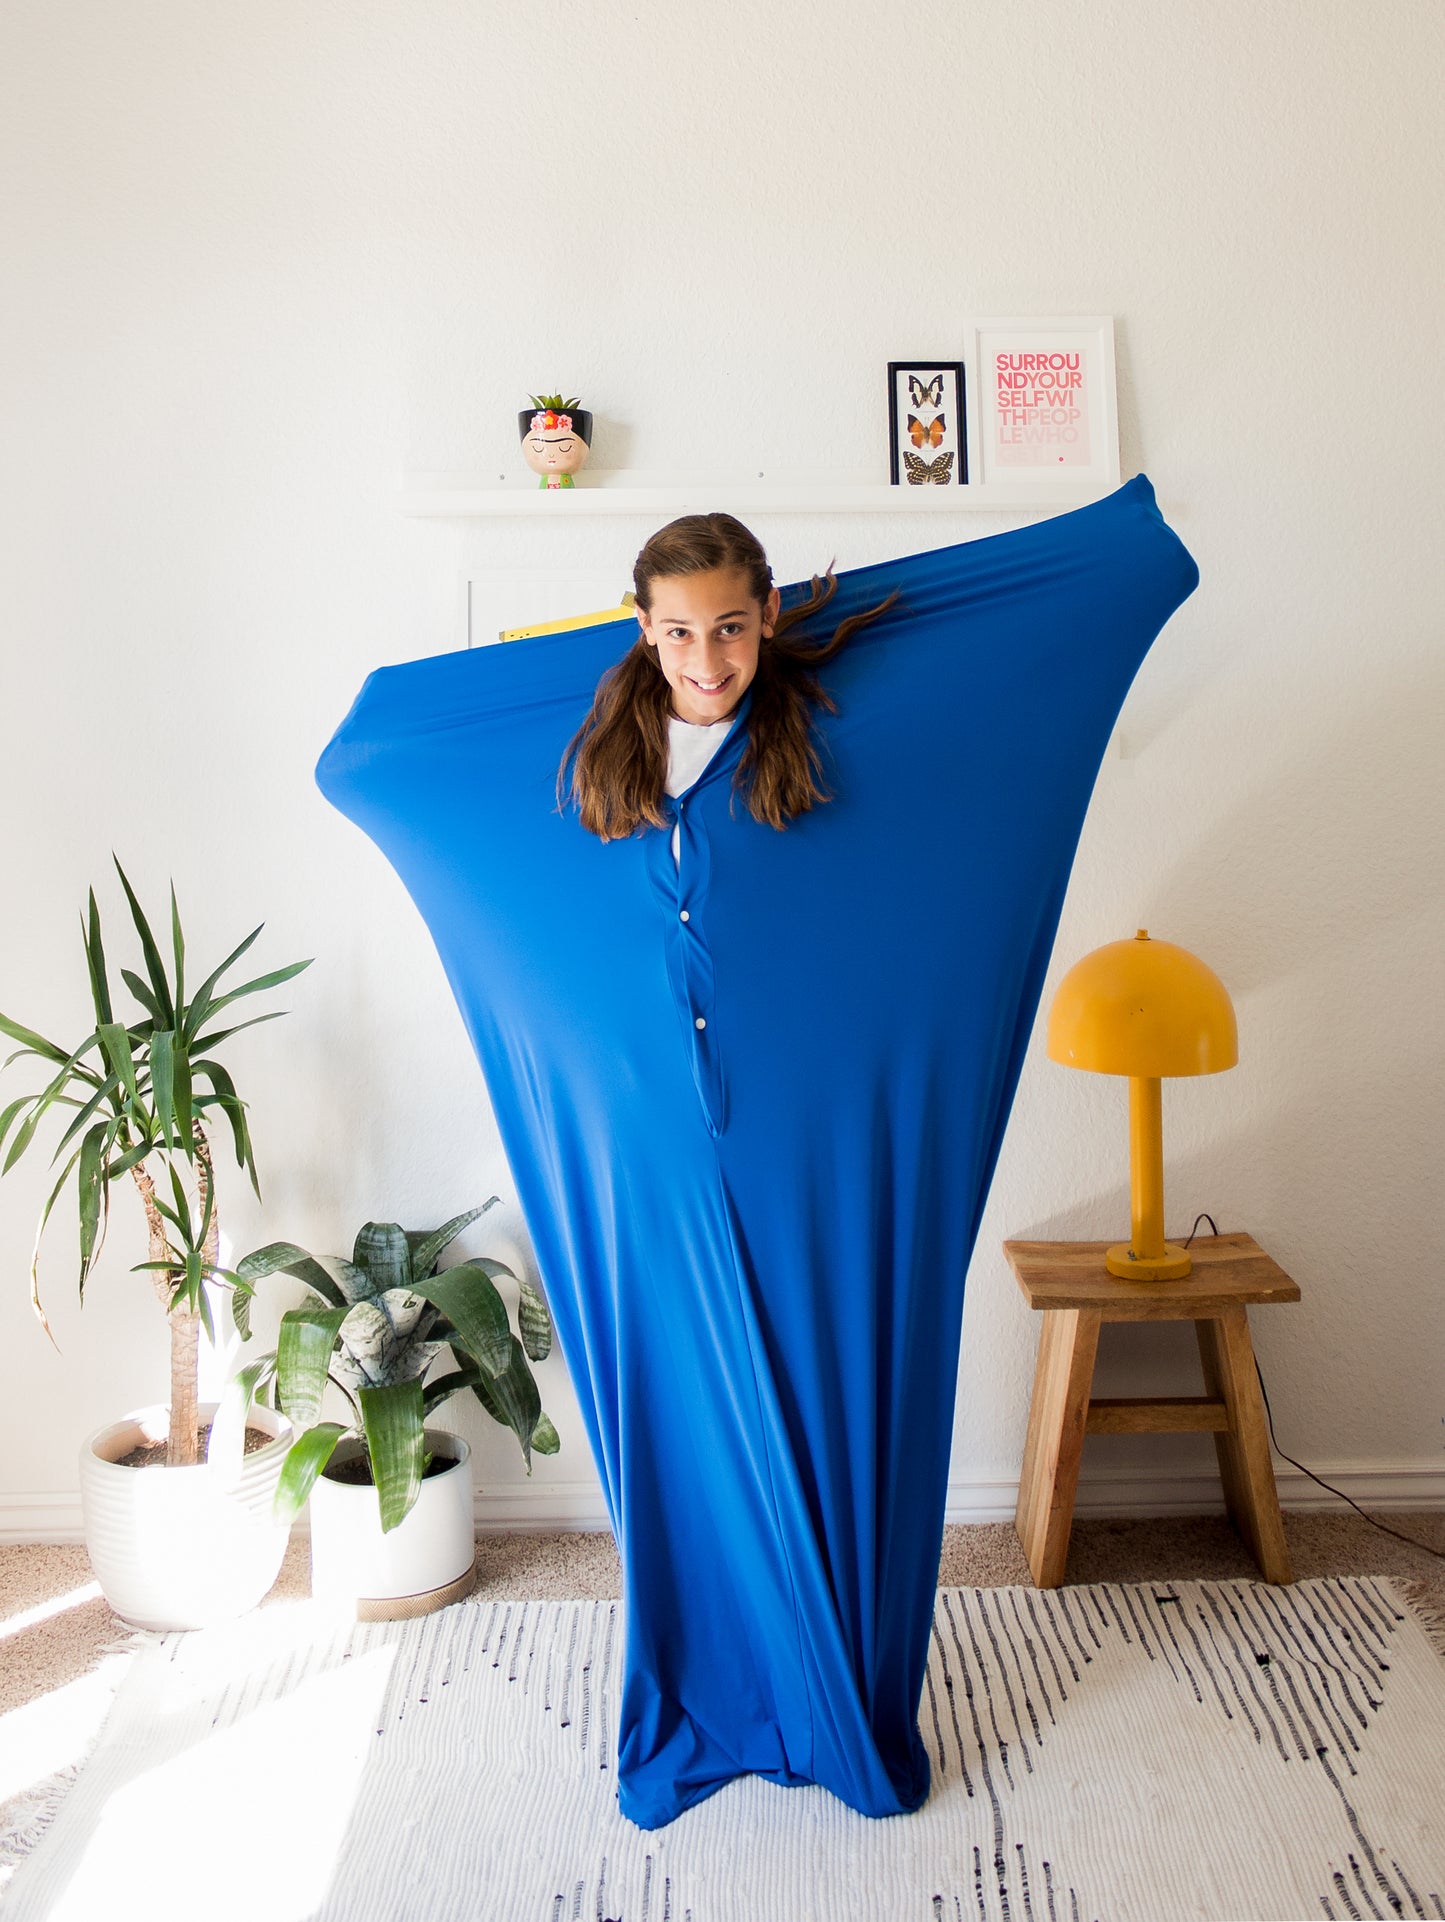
(952,404)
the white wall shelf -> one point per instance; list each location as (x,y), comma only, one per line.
(619,492)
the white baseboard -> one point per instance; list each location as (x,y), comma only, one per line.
(41,1518)
(565,1507)
(1127,1494)
(550,1508)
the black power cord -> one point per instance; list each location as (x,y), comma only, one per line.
(1300,1465)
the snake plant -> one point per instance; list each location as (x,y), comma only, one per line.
(374,1327)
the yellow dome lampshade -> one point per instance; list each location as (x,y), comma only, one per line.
(1145,1009)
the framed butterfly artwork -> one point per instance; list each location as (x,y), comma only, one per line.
(927,439)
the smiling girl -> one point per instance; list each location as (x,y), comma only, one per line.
(710,626)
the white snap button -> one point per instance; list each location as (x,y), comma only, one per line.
(684,915)
(700,1022)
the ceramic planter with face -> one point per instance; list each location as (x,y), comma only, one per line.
(555,445)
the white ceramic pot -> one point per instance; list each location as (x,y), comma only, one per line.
(427,1561)
(182,1547)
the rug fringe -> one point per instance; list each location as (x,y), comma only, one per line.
(1427,1605)
(26,1816)
(131,1639)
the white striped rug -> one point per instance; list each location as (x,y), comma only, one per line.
(1105,1753)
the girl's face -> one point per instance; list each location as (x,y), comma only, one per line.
(707,629)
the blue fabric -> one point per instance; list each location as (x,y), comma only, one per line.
(754,1234)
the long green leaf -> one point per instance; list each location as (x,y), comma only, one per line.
(112,1128)
(23,1136)
(424,1254)
(88,1187)
(183,1206)
(123,1163)
(159,985)
(304,1347)
(247,1382)
(162,1063)
(224,1034)
(178,948)
(272,980)
(35,1042)
(225,1449)
(468,1298)
(513,1399)
(381,1253)
(208,1208)
(110,1086)
(305,1459)
(230,1101)
(115,1042)
(241,1296)
(74,1068)
(234,1112)
(201,1006)
(10,1114)
(200,1301)
(534,1323)
(181,1090)
(164,1208)
(35,1251)
(435,1392)
(55,1092)
(284,1257)
(142,994)
(545,1438)
(396,1442)
(353,1282)
(95,961)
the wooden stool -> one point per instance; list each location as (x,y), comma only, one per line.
(1069,1282)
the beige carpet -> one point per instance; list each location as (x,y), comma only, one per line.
(68,1643)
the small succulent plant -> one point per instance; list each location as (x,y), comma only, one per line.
(554,403)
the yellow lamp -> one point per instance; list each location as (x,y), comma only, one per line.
(1145,1009)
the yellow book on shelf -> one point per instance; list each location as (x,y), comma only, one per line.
(622,613)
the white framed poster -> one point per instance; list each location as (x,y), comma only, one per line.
(1044,404)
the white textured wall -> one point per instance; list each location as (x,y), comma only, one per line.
(258,261)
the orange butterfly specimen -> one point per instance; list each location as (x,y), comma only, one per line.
(921,472)
(929,436)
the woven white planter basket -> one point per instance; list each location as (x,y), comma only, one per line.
(182,1547)
(426,1562)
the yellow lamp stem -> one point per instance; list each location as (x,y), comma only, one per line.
(1148,1257)
(1144,1009)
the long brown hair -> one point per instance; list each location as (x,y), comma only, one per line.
(621,749)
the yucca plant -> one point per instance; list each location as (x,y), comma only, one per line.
(136,1087)
(374,1329)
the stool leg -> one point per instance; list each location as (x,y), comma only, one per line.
(1227,1354)
(1063,1376)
